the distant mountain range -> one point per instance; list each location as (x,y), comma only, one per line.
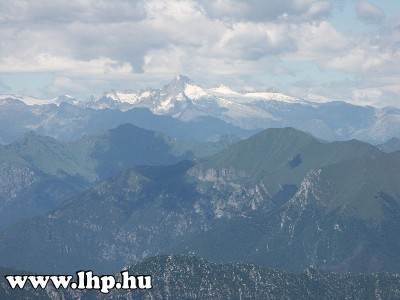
(202,188)
(391,145)
(212,112)
(280,199)
(68,122)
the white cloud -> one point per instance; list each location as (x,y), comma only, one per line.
(251,41)
(266,11)
(368,13)
(360,60)
(45,62)
(95,45)
(317,41)
(65,11)
(367,96)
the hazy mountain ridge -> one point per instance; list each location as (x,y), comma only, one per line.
(343,217)
(262,203)
(122,219)
(210,111)
(186,100)
(391,145)
(277,156)
(39,172)
(69,122)
(36,173)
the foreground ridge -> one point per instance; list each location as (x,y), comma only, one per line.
(189,277)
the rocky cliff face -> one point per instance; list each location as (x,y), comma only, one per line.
(332,206)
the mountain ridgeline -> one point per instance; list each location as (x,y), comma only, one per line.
(279,199)
(38,172)
(69,122)
(182,277)
(188,277)
(392,145)
(185,110)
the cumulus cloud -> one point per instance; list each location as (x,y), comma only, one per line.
(369,13)
(252,41)
(93,45)
(87,40)
(318,41)
(266,11)
(64,11)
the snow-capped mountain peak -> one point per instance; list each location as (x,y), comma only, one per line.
(178,84)
(182,78)
(272,96)
(185,100)
(223,90)
(29,100)
(66,99)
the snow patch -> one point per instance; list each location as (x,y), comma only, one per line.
(195,92)
(224,90)
(131,98)
(145,94)
(272,96)
(29,100)
(165,105)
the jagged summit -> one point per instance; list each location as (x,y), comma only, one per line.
(265,199)
(186,100)
(182,78)
(178,83)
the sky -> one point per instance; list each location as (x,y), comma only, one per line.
(318,50)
